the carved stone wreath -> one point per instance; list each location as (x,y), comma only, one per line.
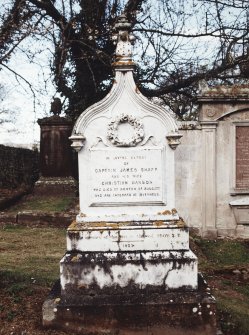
(137,125)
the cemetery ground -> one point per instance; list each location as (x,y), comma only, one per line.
(29,265)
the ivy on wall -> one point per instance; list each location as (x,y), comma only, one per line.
(18,167)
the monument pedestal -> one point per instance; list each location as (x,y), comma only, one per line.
(110,257)
(130,278)
(144,312)
(56,158)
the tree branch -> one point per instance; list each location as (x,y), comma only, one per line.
(185,82)
(173,34)
(26,81)
(51,11)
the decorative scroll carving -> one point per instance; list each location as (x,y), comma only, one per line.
(174,140)
(100,140)
(78,142)
(137,125)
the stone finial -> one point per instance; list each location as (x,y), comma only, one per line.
(124,40)
(56,106)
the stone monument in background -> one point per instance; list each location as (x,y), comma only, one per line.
(128,268)
(56,156)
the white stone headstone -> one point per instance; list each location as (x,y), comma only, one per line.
(125,147)
(126,154)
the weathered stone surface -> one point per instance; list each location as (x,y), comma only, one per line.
(241,210)
(55,151)
(211,168)
(220,101)
(56,158)
(55,186)
(157,235)
(124,273)
(171,313)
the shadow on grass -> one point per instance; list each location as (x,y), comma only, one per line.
(225,263)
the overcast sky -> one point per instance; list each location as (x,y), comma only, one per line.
(24,106)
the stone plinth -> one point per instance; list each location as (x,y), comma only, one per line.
(56,185)
(144,312)
(129,272)
(152,256)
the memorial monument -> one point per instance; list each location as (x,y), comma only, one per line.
(128,268)
(56,156)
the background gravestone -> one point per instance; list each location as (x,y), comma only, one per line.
(56,157)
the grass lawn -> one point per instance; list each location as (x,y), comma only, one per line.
(43,204)
(29,264)
(225,264)
(32,252)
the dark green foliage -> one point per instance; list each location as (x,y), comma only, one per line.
(18,167)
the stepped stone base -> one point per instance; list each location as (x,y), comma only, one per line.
(126,272)
(128,236)
(123,257)
(171,313)
(56,186)
(130,279)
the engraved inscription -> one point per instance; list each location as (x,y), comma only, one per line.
(135,239)
(126,176)
(242,157)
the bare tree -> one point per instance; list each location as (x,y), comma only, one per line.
(179,44)
(7,115)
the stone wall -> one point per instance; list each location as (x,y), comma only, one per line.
(212,165)
(189,173)
(18,167)
(203,197)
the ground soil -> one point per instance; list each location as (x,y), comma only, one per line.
(21,315)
